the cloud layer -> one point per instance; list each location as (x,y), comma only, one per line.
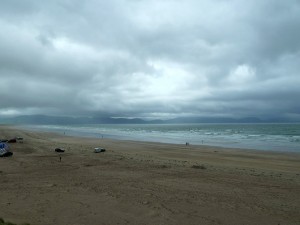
(146,58)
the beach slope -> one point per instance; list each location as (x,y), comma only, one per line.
(144,183)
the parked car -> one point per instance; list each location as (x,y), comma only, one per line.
(60,150)
(97,150)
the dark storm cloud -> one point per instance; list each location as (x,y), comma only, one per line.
(150,58)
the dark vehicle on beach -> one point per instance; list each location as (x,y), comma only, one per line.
(13,140)
(20,139)
(59,150)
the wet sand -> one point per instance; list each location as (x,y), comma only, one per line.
(144,183)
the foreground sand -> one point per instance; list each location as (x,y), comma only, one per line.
(144,183)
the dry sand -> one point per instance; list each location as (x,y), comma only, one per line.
(144,183)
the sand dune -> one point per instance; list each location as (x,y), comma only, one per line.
(144,183)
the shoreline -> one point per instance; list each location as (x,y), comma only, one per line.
(238,146)
(144,183)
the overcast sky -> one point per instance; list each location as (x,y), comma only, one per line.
(150,58)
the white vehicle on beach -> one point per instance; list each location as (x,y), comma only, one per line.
(97,150)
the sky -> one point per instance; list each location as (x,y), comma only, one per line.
(149,58)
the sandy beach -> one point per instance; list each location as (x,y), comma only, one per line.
(144,183)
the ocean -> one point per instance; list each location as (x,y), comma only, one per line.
(274,137)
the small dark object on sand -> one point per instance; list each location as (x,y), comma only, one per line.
(202,167)
(59,150)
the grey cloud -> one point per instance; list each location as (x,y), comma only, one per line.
(150,58)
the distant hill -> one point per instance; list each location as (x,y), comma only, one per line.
(64,120)
(214,120)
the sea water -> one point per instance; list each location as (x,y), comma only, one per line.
(275,137)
